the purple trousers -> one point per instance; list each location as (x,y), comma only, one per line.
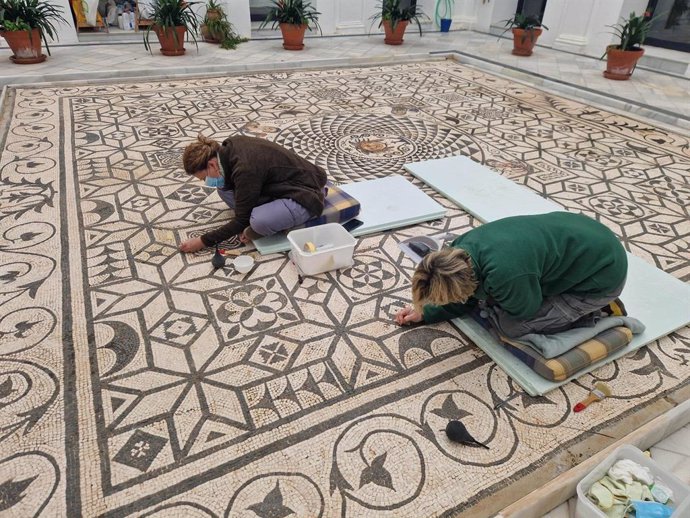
(271,217)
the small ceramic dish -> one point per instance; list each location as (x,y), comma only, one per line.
(243,263)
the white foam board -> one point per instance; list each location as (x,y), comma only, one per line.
(386,203)
(478,190)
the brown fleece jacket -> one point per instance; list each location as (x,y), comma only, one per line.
(256,169)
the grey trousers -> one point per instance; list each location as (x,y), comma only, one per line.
(271,217)
(556,314)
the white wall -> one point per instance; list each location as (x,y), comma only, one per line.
(327,19)
(351,16)
(66,32)
(238,15)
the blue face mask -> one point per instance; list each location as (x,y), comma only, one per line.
(217,181)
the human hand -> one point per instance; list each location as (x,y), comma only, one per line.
(192,245)
(244,239)
(408,315)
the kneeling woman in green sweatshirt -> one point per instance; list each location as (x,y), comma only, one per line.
(537,274)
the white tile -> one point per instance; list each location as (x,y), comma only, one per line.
(561,511)
(678,442)
(674,462)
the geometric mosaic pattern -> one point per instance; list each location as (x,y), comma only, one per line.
(135,380)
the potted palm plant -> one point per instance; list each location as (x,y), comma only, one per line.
(526,30)
(294,18)
(621,58)
(25,24)
(172,19)
(444,14)
(395,20)
(216,28)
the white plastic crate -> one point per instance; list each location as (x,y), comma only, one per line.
(681,492)
(335,247)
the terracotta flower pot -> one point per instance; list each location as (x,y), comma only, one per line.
(166,37)
(26,49)
(621,63)
(209,36)
(293,36)
(394,37)
(524,41)
(213,14)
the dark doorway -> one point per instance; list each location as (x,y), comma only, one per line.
(531,8)
(404,4)
(258,9)
(670,24)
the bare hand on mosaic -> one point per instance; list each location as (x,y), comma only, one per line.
(192,245)
(408,315)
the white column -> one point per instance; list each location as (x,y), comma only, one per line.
(610,12)
(327,18)
(574,27)
(465,13)
(238,15)
(491,13)
(427,7)
(352,16)
(66,32)
(552,19)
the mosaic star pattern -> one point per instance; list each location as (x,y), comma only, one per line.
(137,381)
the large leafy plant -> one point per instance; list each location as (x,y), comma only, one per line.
(168,14)
(529,24)
(219,27)
(294,12)
(632,32)
(17,15)
(391,12)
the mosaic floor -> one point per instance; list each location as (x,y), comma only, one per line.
(136,381)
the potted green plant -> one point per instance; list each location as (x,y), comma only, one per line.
(444,14)
(621,58)
(172,19)
(294,18)
(216,28)
(526,30)
(395,20)
(25,24)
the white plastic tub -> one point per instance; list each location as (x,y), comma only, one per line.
(334,245)
(681,492)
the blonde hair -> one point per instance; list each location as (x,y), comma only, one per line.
(443,277)
(197,154)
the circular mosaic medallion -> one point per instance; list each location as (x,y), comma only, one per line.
(362,146)
(376,146)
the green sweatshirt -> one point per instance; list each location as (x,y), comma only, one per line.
(521,260)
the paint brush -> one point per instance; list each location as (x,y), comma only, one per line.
(599,392)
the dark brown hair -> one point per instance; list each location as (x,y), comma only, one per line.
(197,154)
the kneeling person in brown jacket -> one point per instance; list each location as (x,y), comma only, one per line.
(269,187)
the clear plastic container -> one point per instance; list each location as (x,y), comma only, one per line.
(334,247)
(681,492)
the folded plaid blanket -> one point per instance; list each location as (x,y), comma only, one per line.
(339,207)
(567,364)
(563,366)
